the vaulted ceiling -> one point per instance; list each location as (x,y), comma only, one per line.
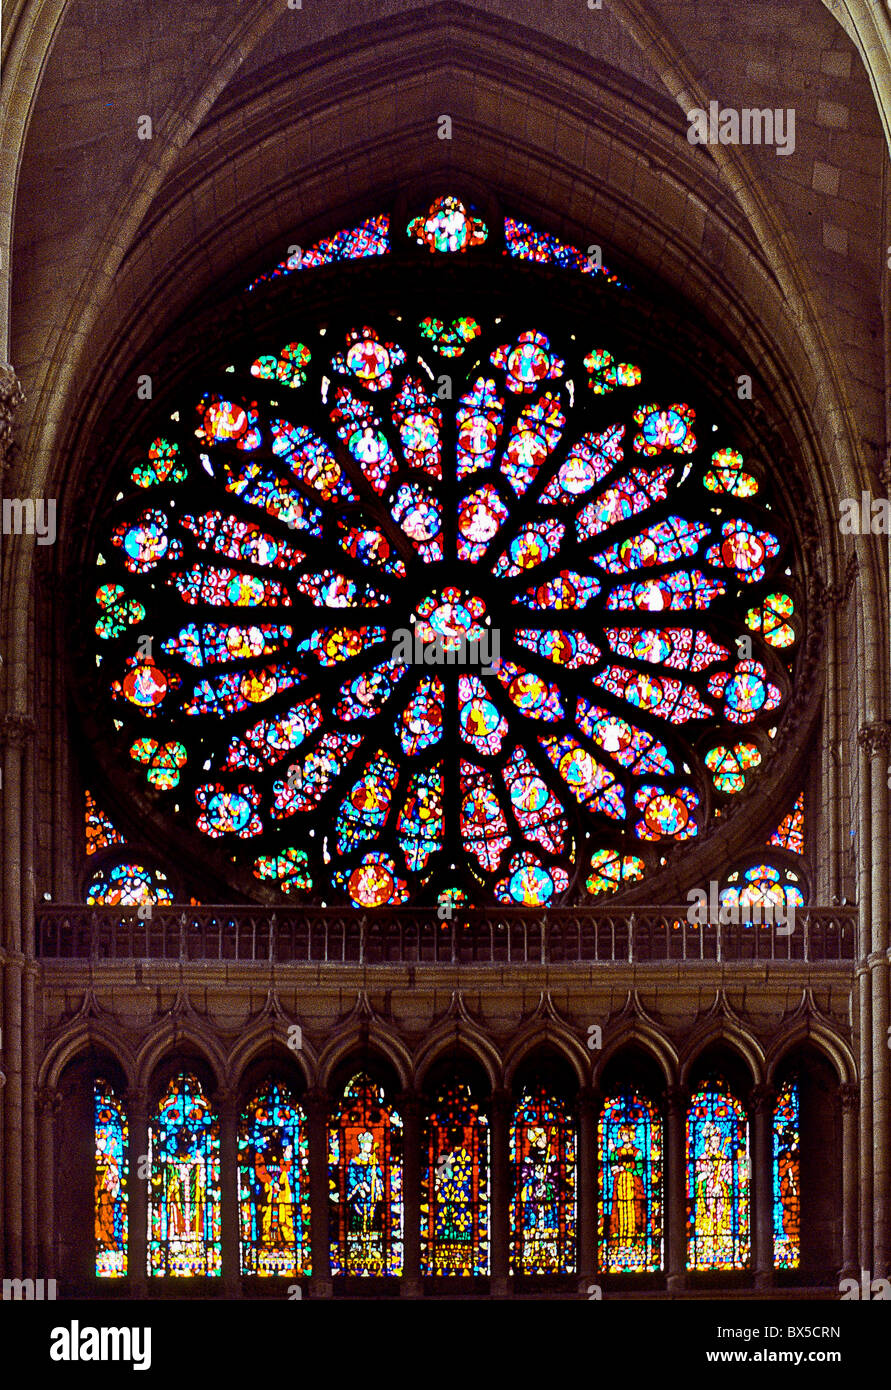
(273,125)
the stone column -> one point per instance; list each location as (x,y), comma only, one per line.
(587,1108)
(409,1106)
(226,1108)
(850,1103)
(48,1101)
(763,1099)
(675,1187)
(12,397)
(15,1097)
(317,1106)
(137,1215)
(876,739)
(500,1115)
(13,732)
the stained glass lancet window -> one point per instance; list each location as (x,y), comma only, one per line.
(718,1205)
(787,1178)
(455,1185)
(543,1181)
(110,1182)
(184,1192)
(273,1185)
(365,1181)
(341,597)
(629,1142)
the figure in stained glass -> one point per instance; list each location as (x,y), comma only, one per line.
(273,1179)
(365,1161)
(630,1178)
(542,1151)
(717,1180)
(787,1177)
(184,1195)
(110,1182)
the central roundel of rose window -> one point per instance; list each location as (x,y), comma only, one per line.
(419,609)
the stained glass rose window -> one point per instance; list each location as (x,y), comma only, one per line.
(403,608)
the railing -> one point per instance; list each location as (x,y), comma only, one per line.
(499,936)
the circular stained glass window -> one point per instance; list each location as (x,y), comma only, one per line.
(391,611)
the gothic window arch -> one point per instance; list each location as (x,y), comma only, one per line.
(365,1180)
(273,1184)
(403,606)
(630,1150)
(184,1183)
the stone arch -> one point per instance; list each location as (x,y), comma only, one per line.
(648,1039)
(449,1038)
(270,1035)
(826,1040)
(160,1051)
(373,1038)
(737,1038)
(75,1042)
(545,1034)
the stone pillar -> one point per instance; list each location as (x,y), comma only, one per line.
(587,1109)
(13,732)
(13,1098)
(500,1115)
(317,1106)
(876,739)
(850,1102)
(48,1101)
(12,397)
(226,1107)
(762,1103)
(864,1122)
(137,1215)
(409,1106)
(675,1187)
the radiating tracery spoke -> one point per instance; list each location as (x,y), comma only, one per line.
(487,646)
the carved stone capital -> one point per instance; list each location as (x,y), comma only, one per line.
(137,1104)
(15,730)
(875,737)
(11,398)
(588,1101)
(762,1099)
(676,1098)
(48,1099)
(225,1100)
(849,1094)
(317,1103)
(409,1104)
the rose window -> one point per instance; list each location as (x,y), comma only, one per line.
(412,608)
